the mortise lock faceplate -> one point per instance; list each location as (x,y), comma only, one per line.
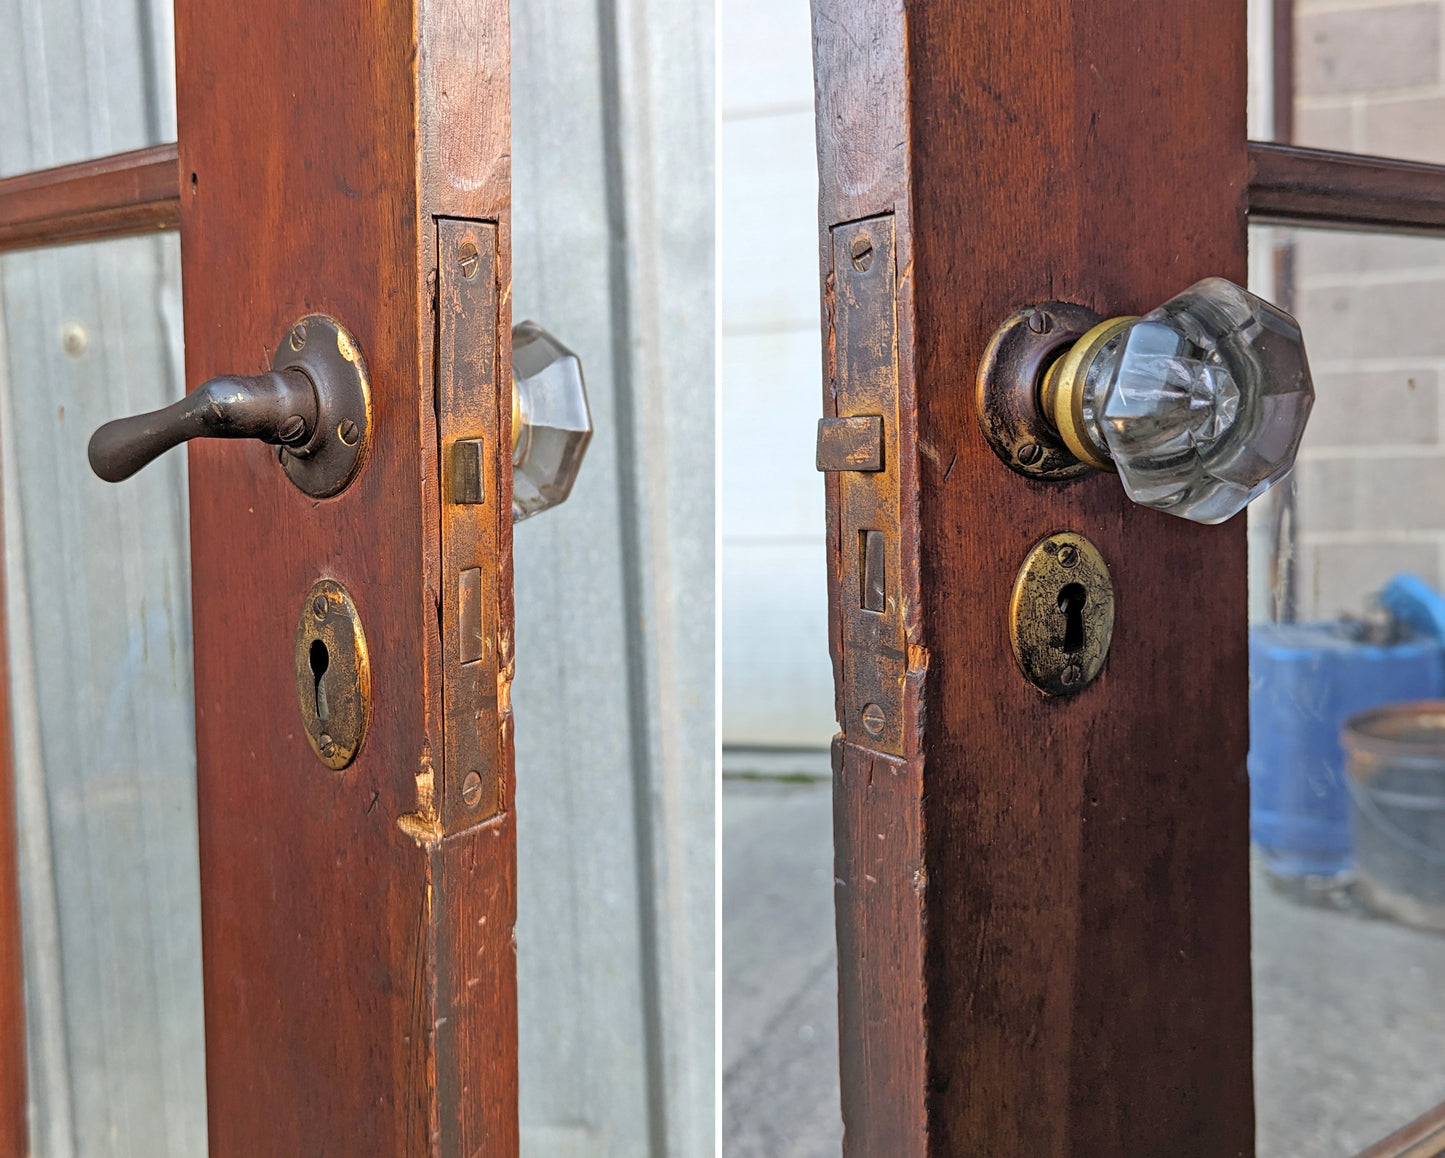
(860,447)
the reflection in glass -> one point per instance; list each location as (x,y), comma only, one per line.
(98,602)
(1345,565)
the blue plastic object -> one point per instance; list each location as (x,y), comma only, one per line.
(1305,681)
(1413,602)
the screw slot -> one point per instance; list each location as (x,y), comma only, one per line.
(873,718)
(862,253)
(468,258)
(472,789)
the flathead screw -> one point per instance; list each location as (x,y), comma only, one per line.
(298,337)
(1068,555)
(1030,453)
(348,432)
(326,745)
(468,258)
(1040,322)
(318,607)
(292,428)
(472,789)
(862,252)
(873,718)
(1070,675)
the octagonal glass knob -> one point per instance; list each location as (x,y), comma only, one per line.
(1200,405)
(551,423)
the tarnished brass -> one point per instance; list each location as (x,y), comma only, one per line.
(1061,614)
(474,404)
(333,674)
(1009,376)
(869,557)
(1062,394)
(850,443)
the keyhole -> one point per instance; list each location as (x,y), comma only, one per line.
(320,661)
(1071,603)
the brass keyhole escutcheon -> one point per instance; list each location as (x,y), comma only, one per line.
(1061,615)
(333,674)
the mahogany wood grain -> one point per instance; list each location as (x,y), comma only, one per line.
(1289,185)
(359,966)
(1043,906)
(14,1114)
(135,192)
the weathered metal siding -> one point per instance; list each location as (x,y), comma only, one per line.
(612,144)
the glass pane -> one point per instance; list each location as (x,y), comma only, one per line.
(80,79)
(1349,886)
(98,591)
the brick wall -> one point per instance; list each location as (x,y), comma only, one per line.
(1371,477)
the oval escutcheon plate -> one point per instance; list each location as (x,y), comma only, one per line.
(1061,614)
(333,674)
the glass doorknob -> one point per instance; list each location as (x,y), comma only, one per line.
(1199,405)
(551,423)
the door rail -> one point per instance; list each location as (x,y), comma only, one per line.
(1422,1138)
(139,192)
(1289,185)
(114,196)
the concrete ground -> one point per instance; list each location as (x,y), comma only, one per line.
(1349,1021)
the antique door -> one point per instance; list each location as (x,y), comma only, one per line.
(341,184)
(1043,900)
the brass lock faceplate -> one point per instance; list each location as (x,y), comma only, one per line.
(333,674)
(1061,615)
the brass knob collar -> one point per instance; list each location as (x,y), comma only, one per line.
(1068,404)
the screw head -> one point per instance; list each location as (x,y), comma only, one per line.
(1070,675)
(1030,453)
(873,719)
(468,258)
(326,745)
(862,252)
(348,432)
(472,789)
(298,336)
(1040,322)
(1068,555)
(292,428)
(318,607)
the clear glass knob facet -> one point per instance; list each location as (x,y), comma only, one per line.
(1200,404)
(551,423)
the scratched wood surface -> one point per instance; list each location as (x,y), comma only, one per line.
(1043,906)
(339,947)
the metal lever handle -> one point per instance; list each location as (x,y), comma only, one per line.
(278,406)
(314,402)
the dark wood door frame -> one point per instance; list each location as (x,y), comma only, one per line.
(359,965)
(1043,904)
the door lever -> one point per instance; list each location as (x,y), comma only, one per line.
(314,402)
(277,407)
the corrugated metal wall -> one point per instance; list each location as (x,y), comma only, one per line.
(613,149)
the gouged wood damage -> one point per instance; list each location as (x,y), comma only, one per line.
(425,824)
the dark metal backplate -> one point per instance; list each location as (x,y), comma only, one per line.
(322,349)
(1009,375)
